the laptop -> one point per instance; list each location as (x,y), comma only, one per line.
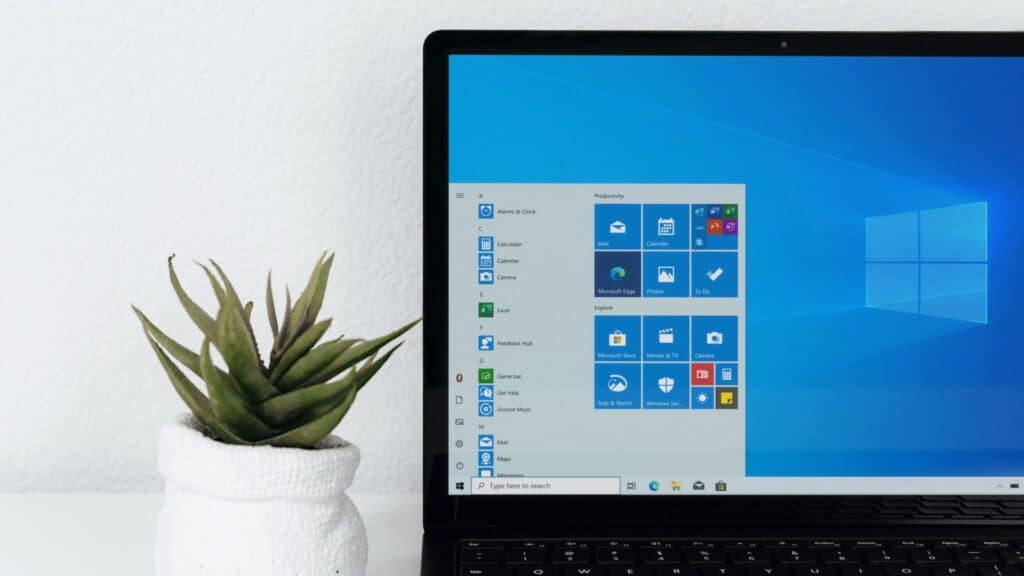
(723,304)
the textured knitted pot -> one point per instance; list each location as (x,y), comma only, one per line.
(256,510)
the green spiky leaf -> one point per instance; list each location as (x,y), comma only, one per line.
(354,354)
(314,401)
(298,349)
(227,402)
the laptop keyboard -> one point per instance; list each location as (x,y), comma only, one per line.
(675,557)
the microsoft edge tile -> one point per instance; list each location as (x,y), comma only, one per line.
(617,274)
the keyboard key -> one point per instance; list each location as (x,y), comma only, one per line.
(720,571)
(951,570)
(659,556)
(817,570)
(859,571)
(585,571)
(626,571)
(750,556)
(485,571)
(977,556)
(769,571)
(533,571)
(608,555)
(887,557)
(795,556)
(1014,556)
(674,571)
(706,556)
(481,555)
(571,555)
(526,556)
(931,556)
(997,570)
(841,557)
(892,570)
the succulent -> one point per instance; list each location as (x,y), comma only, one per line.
(294,399)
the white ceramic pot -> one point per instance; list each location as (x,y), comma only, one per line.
(256,510)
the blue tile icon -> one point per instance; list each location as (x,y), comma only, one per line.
(666,226)
(485,211)
(485,409)
(666,274)
(485,243)
(702,397)
(666,386)
(666,338)
(727,374)
(715,275)
(715,338)
(617,226)
(616,338)
(485,343)
(485,260)
(617,386)
(485,458)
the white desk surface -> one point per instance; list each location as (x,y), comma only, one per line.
(112,534)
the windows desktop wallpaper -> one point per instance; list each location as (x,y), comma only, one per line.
(883,248)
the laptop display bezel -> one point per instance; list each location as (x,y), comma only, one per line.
(444,510)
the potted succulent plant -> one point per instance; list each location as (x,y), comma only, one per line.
(255,482)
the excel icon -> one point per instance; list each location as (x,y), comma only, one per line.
(729,211)
(485,375)
(485,309)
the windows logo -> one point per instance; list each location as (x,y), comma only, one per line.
(929,262)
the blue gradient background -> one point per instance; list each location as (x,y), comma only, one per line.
(833,388)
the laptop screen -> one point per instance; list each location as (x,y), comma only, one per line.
(702,275)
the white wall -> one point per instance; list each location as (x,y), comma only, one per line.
(259,133)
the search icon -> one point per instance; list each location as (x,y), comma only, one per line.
(479,485)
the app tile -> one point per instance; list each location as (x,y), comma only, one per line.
(666,338)
(617,226)
(485,343)
(485,260)
(617,274)
(666,274)
(715,275)
(485,375)
(666,386)
(715,338)
(485,458)
(616,338)
(727,398)
(485,243)
(666,226)
(485,441)
(485,393)
(485,211)
(485,277)
(715,227)
(485,473)
(617,386)
(702,397)
(727,374)
(702,374)
(485,409)
(485,309)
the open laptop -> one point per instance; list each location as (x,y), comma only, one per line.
(723,304)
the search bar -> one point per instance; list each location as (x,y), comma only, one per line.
(552,486)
